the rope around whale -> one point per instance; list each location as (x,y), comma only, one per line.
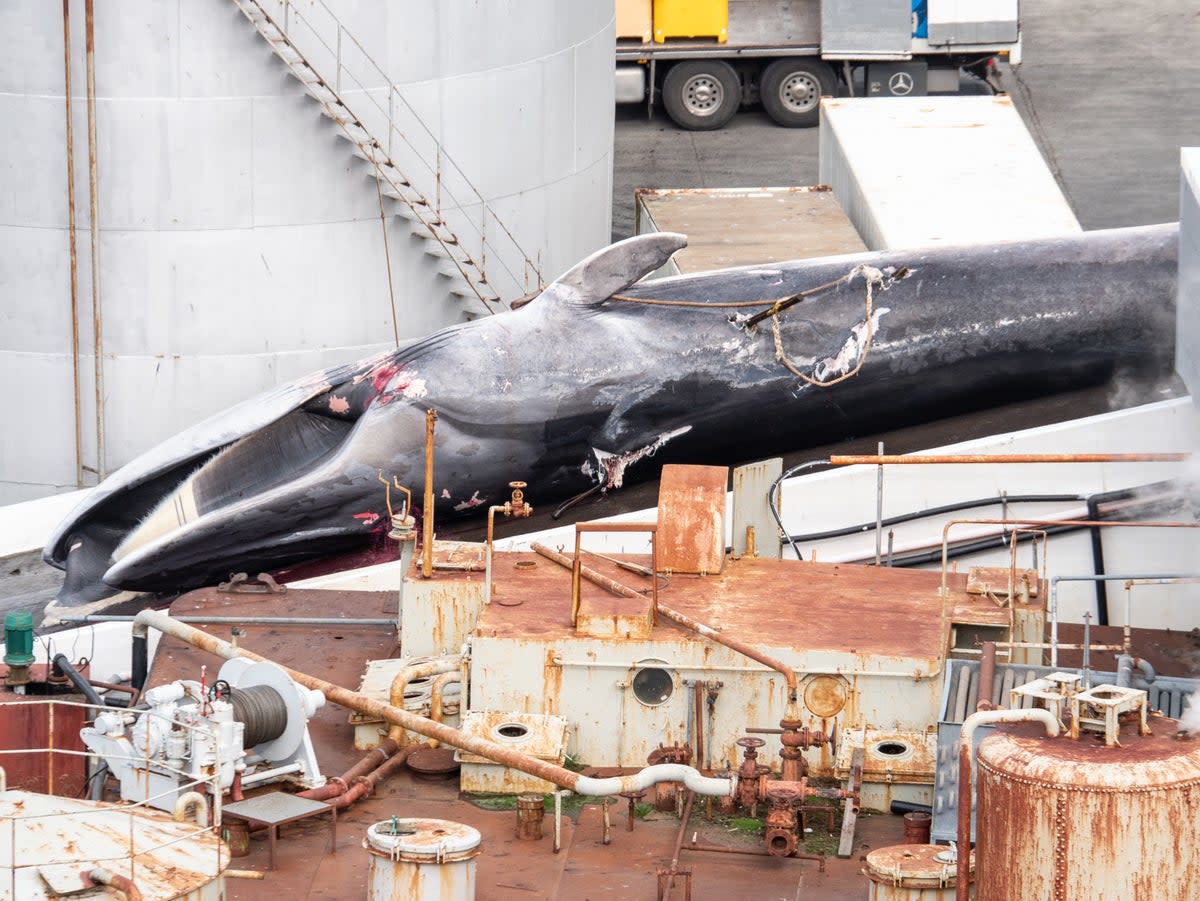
(874,278)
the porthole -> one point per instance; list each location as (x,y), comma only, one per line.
(653,685)
(891,748)
(510,732)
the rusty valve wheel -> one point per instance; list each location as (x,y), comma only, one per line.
(750,742)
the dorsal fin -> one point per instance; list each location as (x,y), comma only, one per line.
(614,268)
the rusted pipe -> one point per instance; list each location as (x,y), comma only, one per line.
(936,459)
(742,648)
(987,676)
(561,776)
(364,786)
(515,507)
(195,802)
(436,700)
(754,852)
(408,674)
(124,884)
(683,824)
(71,238)
(93,184)
(588,573)
(427,512)
(966,784)
(373,759)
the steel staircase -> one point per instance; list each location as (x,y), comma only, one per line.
(437,198)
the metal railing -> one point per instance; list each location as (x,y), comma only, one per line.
(458,207)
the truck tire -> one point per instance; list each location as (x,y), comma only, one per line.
(701,95)
(791,90)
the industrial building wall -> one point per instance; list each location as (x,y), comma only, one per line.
(240,241)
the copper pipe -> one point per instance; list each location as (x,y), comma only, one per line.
(365,785)
(932,459)
(71,233)
(427,513)
(93,184)
(134,693)
(399,686)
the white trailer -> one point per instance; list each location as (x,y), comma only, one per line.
(706,58)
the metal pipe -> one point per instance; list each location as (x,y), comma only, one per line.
(1103,577)
(515,506)
(966,785)
(879,509)
(400,682)
(506,756)
(558,820)
(588,573)
(194,802)
(97,332)
(239,620)
(64,666)
(123,884)
(1082,523)
(71,240)
(437,702)
(753,852)
(683,824)
(427,512)
(987,676)
(340,784)
(741,647)
(933,459)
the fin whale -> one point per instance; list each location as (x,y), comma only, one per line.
(599,372)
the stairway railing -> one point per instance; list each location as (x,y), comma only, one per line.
(459,209)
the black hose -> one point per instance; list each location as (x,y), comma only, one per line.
(140,662)
(64,666)
(902,807)
(938,511)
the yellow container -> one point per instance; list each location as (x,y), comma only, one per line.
(634,19)
(691,19)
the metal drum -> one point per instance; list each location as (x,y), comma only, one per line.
(911,873)
(418,859)
(1066,820)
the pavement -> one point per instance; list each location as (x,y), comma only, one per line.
(1106,89)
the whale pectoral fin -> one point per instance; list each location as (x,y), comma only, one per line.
(614,268)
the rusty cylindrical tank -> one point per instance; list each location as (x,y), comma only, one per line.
(911,873)
(416,859)
(916,828)
(1067,820)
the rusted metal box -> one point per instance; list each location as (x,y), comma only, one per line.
(691,518)
(42,725)
(536,735)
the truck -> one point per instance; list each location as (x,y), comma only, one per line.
(704,59)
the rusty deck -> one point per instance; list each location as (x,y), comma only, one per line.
(310,868)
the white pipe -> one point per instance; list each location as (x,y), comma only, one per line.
(192,799)
(264,775)
(691,777)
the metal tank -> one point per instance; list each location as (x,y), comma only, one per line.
(239,239)
(911,873)
(415,859)
(1066,820)
(55,847)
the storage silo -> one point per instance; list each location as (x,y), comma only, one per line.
(1068,820)
(266,205)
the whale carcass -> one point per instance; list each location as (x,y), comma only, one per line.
(598,373)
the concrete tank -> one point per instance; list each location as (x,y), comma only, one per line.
(240,237)
(1073,820)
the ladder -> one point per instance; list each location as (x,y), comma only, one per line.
(487,242)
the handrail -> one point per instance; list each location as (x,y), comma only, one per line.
(289,16)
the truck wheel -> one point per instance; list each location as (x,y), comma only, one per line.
(701,95)
(791,91)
